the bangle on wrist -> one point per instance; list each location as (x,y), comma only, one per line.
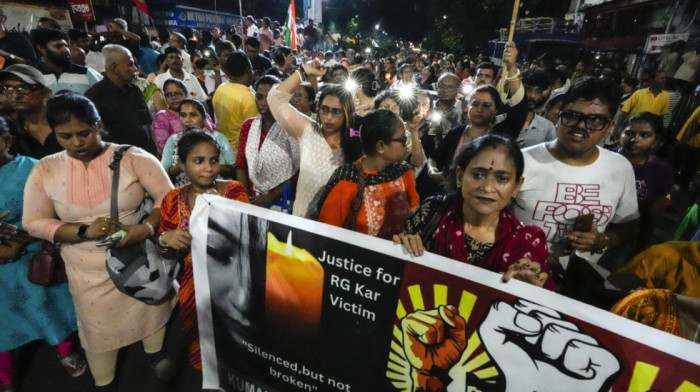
(161,245)
(509,78)
(301,76)
(150,228)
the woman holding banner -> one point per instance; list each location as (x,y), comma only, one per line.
(473,223)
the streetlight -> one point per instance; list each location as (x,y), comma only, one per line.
(376,27)
(444,17)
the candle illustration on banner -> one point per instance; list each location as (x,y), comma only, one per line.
(293,288)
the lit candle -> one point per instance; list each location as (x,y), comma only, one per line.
(293,287)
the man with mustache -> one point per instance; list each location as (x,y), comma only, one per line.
(571,176)
(173,59)
(536,129)
(60,73)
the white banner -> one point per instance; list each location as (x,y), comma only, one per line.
(288,304)
(656,42)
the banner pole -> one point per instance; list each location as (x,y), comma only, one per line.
(513,20)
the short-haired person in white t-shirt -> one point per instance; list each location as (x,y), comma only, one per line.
(571,176)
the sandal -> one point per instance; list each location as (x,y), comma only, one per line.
(74,364)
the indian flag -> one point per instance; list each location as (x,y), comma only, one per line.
(141,5)
(290,28)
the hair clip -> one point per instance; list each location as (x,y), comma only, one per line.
(356,133)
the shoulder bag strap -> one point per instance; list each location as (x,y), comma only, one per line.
(116,163)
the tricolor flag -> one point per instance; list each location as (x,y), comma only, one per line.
(290,28)
(141,5)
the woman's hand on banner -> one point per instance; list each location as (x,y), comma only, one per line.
(412,243)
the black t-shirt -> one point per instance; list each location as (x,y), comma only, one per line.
(19,45)
(25,144)
(124,113)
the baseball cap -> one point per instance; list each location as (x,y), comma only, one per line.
(23,72)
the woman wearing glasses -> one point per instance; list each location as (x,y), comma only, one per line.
(324,144)
(167,122)
(376,194)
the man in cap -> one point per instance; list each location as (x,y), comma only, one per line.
(24,87)
(60,73)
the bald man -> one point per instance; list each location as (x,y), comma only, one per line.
(120,103)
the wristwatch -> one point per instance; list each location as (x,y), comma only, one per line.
(82,232)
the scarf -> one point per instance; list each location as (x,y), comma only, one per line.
(275,161)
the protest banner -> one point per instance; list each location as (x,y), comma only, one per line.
(81,11)
(657,42)
(288,304)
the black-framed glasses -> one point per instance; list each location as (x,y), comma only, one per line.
(21,90)
(594,122)
(334,111)
(403,140)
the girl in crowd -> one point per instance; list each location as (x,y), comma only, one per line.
(199,158)
(376,194)
(654,177)
(29,311)
(267,156)
(193,115)
(428,78)
(67,201)
(323,145)
(167,122)
(473,222)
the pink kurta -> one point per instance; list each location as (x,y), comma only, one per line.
(61,189)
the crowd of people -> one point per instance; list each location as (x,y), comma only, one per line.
(545,175)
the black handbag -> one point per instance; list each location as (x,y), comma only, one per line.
(138,270)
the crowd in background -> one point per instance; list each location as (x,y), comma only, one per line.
(549,172)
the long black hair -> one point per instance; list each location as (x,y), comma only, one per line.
(350,150)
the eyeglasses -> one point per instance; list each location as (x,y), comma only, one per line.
(594,122)
(403,140)
(325,110)
(299,97)
(175,94)
(21,90)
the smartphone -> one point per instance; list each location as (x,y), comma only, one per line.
(299,61)
(583,223)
